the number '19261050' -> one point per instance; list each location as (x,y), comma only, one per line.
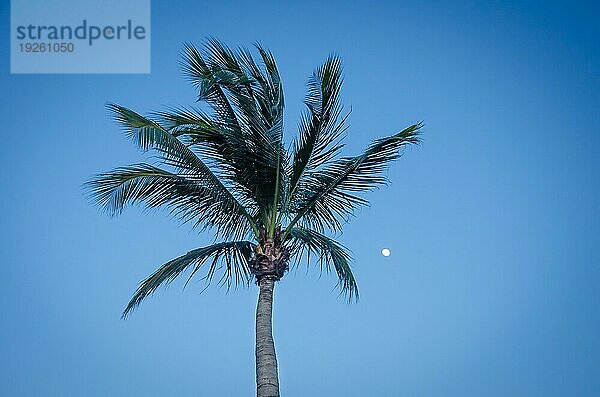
(47,47)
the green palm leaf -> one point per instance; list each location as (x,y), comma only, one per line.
(331,197)
(233,255)
(223,146)
(247,104)
(188,199)
(148,134)
(329,253)
(320,127)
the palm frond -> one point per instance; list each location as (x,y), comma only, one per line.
(271,85)
(263,127)
(248,103)
(331,193)
(222,145)
(185,195)
(148,134)
(320,127)
(200,75)
(233,256)
(329,253)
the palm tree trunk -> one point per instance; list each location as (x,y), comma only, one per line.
(267,380)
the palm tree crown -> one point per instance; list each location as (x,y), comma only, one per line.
(224,167)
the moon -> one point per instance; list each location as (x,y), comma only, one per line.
(386,252)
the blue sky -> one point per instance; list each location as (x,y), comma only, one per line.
(493,222)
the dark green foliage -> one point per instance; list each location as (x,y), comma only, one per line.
(235,255)
(328,253)
(329,195)
(224,166)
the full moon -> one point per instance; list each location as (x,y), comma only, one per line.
(386,252)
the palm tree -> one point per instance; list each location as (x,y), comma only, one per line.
(224,167)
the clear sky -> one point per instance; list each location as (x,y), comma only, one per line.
(492,288)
